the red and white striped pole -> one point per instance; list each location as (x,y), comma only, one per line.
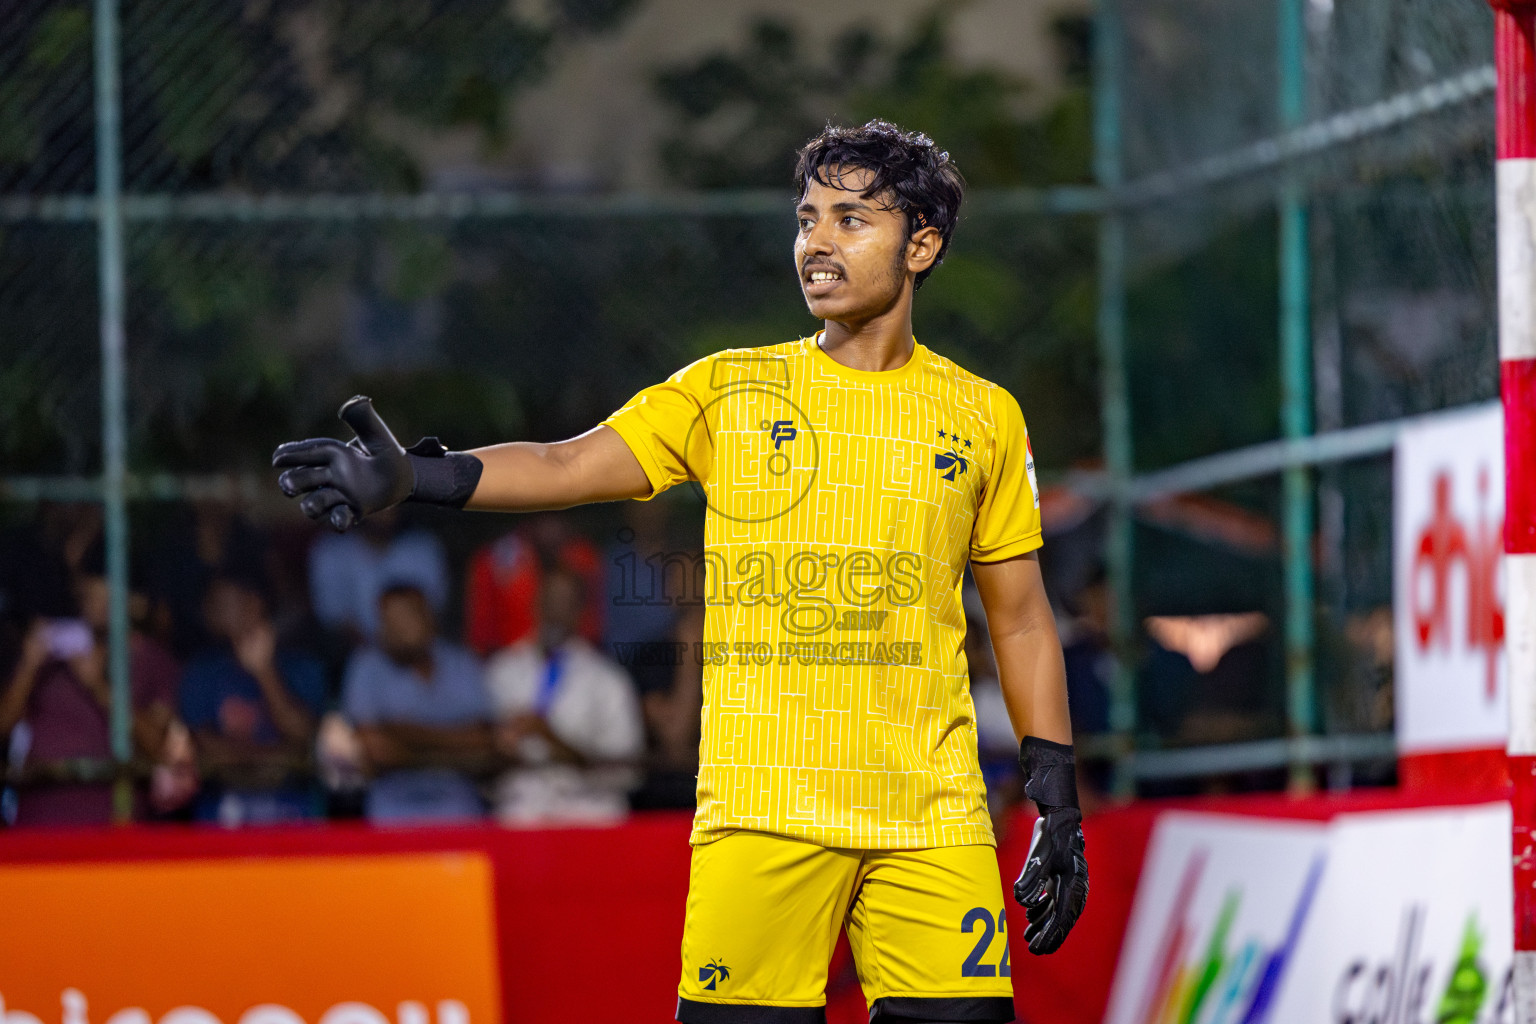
(1515,42)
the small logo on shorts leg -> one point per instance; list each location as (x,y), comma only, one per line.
(713,972)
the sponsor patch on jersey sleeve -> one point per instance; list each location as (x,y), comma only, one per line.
(1029,468)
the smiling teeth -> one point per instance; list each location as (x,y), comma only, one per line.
(819,276)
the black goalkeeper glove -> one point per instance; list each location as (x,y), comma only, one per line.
(342,483)
(1054,884)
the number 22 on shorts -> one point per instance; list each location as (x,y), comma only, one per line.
(973,967)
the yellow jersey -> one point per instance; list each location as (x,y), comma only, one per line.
(842,506)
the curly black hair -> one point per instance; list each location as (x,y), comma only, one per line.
(908,173)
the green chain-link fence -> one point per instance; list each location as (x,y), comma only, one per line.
(1290,233)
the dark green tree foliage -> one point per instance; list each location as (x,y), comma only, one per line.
(1015,298)
(241,333)
(741,114)
(267,96)
(1209,317)
(276,94)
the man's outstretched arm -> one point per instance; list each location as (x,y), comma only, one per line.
(1053,887)
(343,482)
(523,476)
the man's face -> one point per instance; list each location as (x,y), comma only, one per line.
(851,253)
(93,595)
(230,610)
(405,626)
(559,608)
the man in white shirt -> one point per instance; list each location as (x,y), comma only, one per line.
(568,718)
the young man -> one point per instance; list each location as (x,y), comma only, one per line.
(567,717)
(252,706)
(422,715)
(849,478)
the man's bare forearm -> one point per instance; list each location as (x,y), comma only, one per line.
(524,476)
(435,738)
(1034,681)
(292,719)
(1030,666)
(13,704)
(243,763)
(401,745)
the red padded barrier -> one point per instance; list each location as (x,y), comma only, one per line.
(590,921)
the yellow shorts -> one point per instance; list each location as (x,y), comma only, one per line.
(926,926)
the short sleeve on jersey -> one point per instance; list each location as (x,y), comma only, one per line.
(664,426)
(1008,515)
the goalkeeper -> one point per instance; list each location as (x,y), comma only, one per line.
(850,477)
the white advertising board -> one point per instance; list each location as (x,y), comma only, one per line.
(1415,924)
(1399,917)
(1448,583)
(1218,908)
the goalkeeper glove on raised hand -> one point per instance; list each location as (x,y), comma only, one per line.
(342,483)
(1054,884)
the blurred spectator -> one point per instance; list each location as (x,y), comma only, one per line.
(56,706)
(996,745)
(252,707)
(1365,703)
(1089,669)
(197,542)
(1089,660)
(567,718)
(501,594)
(419,705)
(641,607)
(1355,662)
(288,575)
(1164,682)
(1206,677)
(342,765)
(38,558)
(672,720)
(349,571)
(173,780)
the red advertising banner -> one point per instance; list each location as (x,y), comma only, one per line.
(351,925)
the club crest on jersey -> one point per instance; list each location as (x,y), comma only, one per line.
(952,463)
(781,431)
(714,972)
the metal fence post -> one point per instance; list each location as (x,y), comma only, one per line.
(1296,401)
(1119,555)
(109,225)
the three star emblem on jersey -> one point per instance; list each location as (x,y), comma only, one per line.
(951,463)
(713,972)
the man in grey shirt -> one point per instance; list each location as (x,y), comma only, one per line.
(422,715)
